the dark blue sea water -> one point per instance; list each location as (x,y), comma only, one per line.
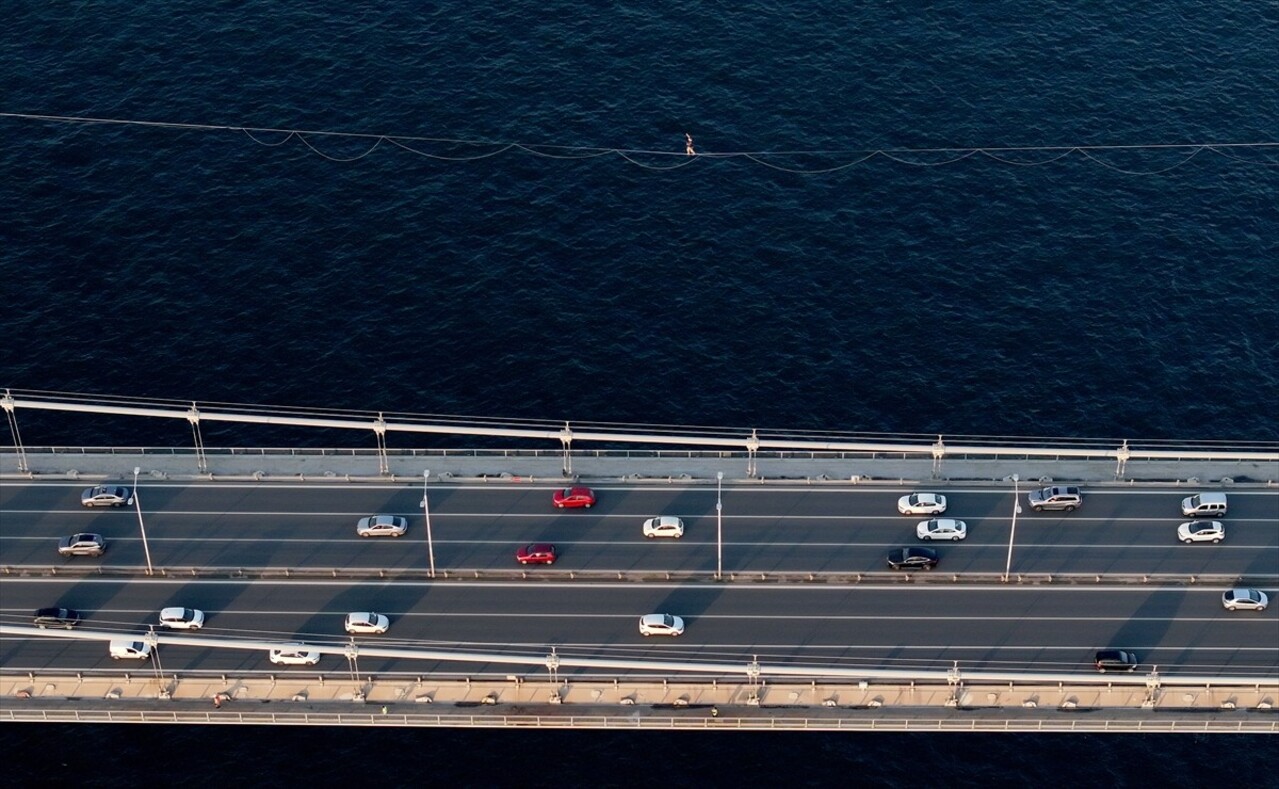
(1074,298)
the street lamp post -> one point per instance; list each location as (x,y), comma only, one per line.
(426,508)
(1012,533)
(137,505)
(719,525)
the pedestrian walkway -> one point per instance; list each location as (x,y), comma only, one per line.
(531,701)
(633,467)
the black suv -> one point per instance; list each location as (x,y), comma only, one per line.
(1057,497)
(56,617)
(1115,660)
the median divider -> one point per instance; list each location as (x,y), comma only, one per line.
(462,575)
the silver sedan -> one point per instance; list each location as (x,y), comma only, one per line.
(106,496)
(381,526)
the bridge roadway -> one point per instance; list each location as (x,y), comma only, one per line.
(835,532)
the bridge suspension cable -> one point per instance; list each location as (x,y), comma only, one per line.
(681,154)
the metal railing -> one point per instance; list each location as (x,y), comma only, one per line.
(961,720)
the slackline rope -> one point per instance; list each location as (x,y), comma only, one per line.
(776,160)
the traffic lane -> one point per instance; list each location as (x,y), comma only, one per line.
(295,510)
(860,646)
(602,549)
(253,608)
(644,500)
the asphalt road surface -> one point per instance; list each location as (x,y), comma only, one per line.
(1051,627)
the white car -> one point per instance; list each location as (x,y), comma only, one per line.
(1247,599)
(661,625)
(922,504)
(128,648)
(665,526)
(182,618)
(381,526)
(294,655)
(366,622)
(941,529)
(1201,531)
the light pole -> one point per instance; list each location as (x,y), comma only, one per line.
(719,525)
(1012,533)
(426,508)
(137,505)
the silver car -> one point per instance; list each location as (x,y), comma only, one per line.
(1201,531)
(1245,599)
(84,544)
(381,526)
(106,496)
(1057,497)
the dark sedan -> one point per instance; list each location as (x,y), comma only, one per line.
(56,617)
(913,558)
(1115,660)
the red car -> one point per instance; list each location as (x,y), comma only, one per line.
(574,497)
(537,553)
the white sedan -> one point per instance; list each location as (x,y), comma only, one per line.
(661,625)
(1247,599)
(182,618)
(665,526)
(294,655)
(941,529)
(381,526)
(1201,531)
(922,504)
(366,622)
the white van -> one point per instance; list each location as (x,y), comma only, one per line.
(128,648)
(1203,505)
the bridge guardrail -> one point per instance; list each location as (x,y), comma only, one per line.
(1171,721)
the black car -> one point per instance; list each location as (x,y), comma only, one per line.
(56,617)
(1116,660)
(913,558)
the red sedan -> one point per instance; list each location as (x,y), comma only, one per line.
(574,497)
(537,553)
